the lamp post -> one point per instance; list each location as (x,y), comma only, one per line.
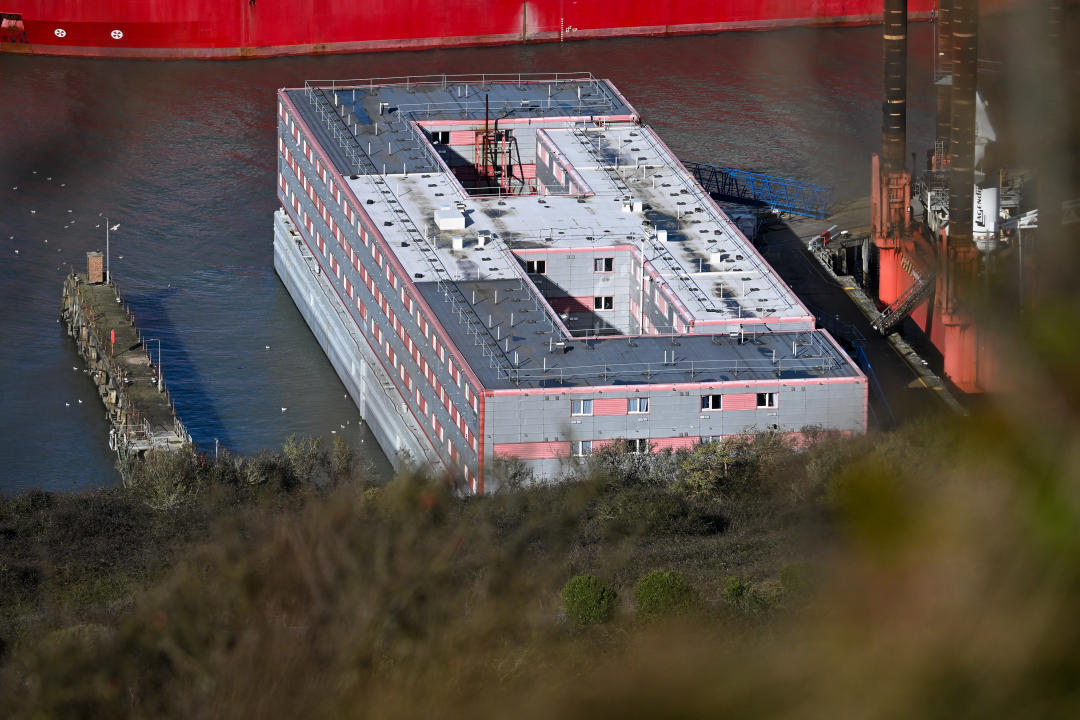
(108,277)
(160,373)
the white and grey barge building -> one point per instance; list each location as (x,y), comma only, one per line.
(515,265)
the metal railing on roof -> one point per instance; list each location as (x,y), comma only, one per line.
(410,81)
(810,353)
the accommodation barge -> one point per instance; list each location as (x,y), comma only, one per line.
(517,266)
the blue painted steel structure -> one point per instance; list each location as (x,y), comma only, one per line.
(793,196)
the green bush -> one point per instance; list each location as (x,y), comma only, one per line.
(661,593)
(588,600)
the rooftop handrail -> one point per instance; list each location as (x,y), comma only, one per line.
(824,362)
(462,78)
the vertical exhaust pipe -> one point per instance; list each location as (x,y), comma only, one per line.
(965,55)
(943,75)
(894,110)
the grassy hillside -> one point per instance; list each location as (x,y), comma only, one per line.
(930,572)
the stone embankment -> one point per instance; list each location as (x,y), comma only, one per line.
(119,363)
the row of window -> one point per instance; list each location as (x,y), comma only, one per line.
(381,301)
(640,405)
(600,265)
(716,402)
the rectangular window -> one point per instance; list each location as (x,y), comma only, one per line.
(711,402)
(637,405)
(440,137)
(766,400)
(638,445)
(603,264)
(604,302)
(536,267)
(580,448)
(581,407)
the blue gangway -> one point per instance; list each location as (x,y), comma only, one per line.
(793,196)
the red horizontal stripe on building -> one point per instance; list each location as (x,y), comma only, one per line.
(533,451)
(609,406)
(675,443)
(739,401)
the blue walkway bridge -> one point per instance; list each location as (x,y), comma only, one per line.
(743,186)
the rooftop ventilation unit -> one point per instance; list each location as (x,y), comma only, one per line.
(448,218)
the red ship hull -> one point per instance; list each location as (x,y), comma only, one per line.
(263,28)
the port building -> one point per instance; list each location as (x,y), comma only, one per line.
(518,266)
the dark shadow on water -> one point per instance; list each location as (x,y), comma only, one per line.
(195,405)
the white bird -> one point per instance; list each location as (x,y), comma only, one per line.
(113,228)
(341,426)
(63,184)
(74,368)
(67,404)
(16,252)
(69,211)
(46,242)
(333,432)
(284,409)
(35,172)
(267,347)
(48,178)
(15,188)
(120,258)
(80,402)
(33,212)
(98,225)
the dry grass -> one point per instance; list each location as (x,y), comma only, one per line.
(941,572)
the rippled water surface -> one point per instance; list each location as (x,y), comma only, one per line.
(181,154)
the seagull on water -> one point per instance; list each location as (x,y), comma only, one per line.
(67,404)
(80,402)
(267,347)
(284,409)
(33,212)
(16,251)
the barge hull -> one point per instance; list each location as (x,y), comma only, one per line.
(265,28)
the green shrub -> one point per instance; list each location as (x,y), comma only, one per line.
(588,600)
(751,598)
(661,593)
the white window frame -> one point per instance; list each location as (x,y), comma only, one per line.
(603,264)
(638,446)
(581,408)
(603,303)
(580,448)
(710,403)
(768,400)
(536,267)
(637,405)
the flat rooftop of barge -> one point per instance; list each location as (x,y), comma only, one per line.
(635,194)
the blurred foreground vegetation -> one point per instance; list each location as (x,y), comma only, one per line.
(932,572)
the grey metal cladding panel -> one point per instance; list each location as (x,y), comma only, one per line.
(532,418)
(393,298)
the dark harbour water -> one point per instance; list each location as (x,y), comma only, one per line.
(182,155)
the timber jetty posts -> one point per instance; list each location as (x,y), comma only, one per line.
(137,403)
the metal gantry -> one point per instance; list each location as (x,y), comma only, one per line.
(792,196)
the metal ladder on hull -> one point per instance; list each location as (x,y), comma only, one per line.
(900,308)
